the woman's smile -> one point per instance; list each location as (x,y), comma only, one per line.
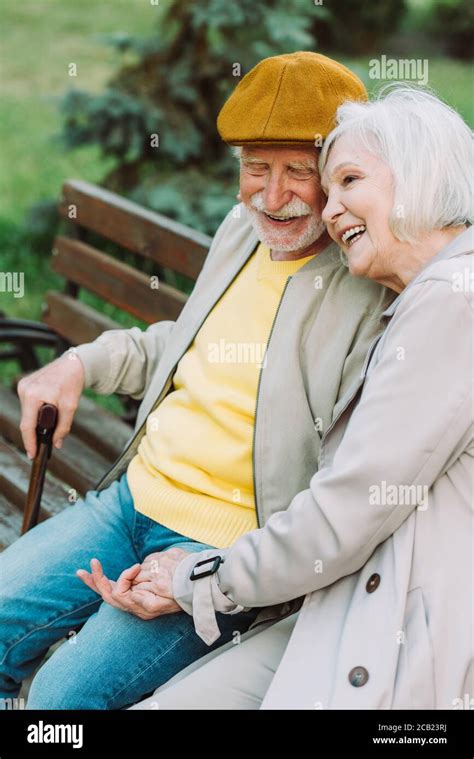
(351,234)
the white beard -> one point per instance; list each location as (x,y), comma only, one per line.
(284,240)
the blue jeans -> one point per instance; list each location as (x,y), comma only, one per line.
(110,658)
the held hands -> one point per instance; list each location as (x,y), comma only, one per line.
(143,589)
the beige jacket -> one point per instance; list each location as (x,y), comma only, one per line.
(321,333)
(381,540)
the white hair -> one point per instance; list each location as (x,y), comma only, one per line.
(429,150)
(237,151)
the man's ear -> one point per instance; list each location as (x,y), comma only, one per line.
(238,196)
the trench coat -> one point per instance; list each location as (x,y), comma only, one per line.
(382,541)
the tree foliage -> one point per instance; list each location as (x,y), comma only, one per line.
(171,91)
(356,28)
(453,26)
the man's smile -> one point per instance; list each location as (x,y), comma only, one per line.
(281,221)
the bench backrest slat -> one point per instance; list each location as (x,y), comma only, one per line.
(74,320)
(150,234)
(116,282)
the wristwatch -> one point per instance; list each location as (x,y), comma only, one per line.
(197,573)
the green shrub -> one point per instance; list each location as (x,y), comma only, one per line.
(157,117)
(353,27)
(452,25)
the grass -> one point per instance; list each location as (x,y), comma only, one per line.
(40,39)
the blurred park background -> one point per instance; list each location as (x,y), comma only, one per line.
(166,67)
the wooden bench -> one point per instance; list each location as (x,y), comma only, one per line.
(110,248)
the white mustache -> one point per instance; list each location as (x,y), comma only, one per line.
(295,207)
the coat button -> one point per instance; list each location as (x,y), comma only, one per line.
(358,676)
(372,583)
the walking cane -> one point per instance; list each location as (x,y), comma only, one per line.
(47,418)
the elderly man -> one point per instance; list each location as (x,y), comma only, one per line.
(237,395)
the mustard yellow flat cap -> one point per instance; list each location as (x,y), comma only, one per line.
(288,100)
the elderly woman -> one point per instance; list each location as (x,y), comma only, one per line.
(381,543)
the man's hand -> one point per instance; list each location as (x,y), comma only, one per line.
(143,589)
(61,383)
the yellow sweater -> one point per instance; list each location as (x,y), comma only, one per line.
(193,471)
